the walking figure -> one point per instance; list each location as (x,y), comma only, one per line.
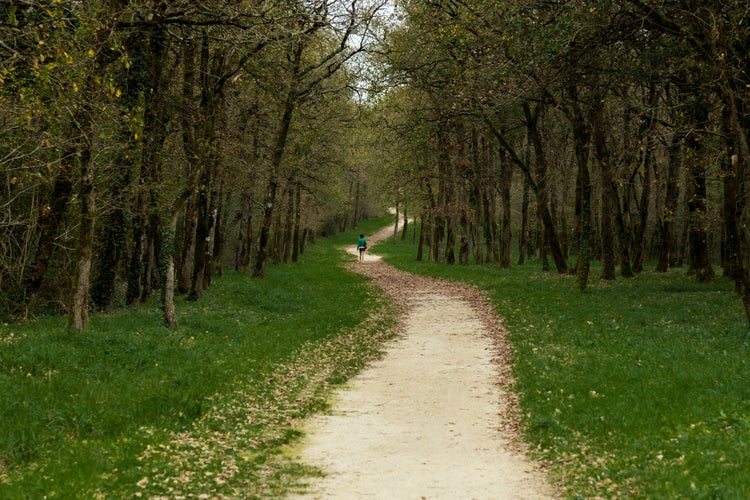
(361,247)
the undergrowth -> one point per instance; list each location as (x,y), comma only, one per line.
(635,388)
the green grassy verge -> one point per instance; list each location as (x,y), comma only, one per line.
(131,409)
(636,388)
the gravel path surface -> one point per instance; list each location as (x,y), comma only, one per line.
(434,418)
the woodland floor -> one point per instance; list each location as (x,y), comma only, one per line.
(434,418)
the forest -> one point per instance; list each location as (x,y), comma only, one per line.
(145,146)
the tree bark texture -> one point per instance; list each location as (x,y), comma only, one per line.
(277,156)
(698,223)
(542,189)
(506,183)
(78,315)
(49,224)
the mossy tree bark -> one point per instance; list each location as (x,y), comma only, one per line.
(78,315)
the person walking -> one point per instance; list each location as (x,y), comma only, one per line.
(361,247)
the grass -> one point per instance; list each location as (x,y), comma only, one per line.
(131,409)
(635,388)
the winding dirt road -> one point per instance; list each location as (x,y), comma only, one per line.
(433,418)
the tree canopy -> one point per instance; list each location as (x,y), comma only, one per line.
(148,145)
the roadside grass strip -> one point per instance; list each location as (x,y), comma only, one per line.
(235,451)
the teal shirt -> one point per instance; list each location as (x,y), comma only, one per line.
(361,244)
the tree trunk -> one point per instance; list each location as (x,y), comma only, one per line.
(583,264)
(523,237)
(155,116)
(114,234)
(639,254)
(551,239)
(269,201)
(607,229)
(395,226)
(151,279)
(201,237)
(463,239)
(278,240)
(420,244)
(506,181)
(78,314)
(186,249)
(246,234)
(217,249)
(610,194)
(641,235)
(734,192)
(464,231)
(135,267)
(733,265)
(212,241)
(405,229)
(114,228)
(682,245)
(735,169)
(296,242)
(582,147)
(49,223)
(668,230)
(210,120)
(356,202)
(167,252)
(490,228)
(289,223)
(444,221)
(437,229)
(479,223)
(169,310)
(477,198)
(698,223)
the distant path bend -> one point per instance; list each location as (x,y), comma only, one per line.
(434,418)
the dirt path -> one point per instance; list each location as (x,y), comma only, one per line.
(431,419)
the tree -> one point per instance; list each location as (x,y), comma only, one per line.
(311,62)
(713,43)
